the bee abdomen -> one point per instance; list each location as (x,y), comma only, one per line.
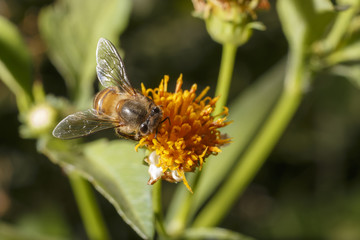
(105,101)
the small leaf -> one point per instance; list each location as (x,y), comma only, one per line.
(116,171)
(351,73)
(72,29)
(213,233)
(12,232)
(248,112)
(304,22)
(347,53)
(47,221)
(15,61)
(339,7)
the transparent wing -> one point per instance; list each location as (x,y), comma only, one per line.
(82,124)
(110,67)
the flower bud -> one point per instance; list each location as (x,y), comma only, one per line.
(40,119)
(229,21)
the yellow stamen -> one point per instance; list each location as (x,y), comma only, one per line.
(182,174)
(190,135)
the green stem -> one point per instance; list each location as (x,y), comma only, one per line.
(157,207)
(259,149)
(178,224)
(89,211)
(225,75)
(338,31)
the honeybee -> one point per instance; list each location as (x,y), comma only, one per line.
(118,106)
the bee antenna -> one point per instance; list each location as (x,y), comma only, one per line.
(156,132)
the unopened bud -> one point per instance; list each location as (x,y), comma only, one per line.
(41,118)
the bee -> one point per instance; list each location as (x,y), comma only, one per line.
(118,106)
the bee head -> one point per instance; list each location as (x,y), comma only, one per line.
(152,122)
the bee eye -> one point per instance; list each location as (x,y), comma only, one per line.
(143,128)
(156,110)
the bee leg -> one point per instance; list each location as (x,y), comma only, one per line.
(126,136)
(167,118)
(156,135)
(156,132)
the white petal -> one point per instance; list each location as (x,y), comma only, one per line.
(155,173)
(175,175)
(153,158)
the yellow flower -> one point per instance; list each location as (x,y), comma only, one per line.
(187,135)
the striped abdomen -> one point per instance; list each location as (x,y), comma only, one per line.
(106,102)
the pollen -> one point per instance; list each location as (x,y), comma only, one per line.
(187,135)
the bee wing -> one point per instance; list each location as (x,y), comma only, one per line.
(110,67)
(82,124)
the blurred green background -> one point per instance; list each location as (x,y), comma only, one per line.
(309,187)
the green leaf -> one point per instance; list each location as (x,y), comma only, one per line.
(304,21)
(48,222)
(347,53)
(213,233)
(116,171)
(351,73)
(12,232)
(72,29)
(15,61)
(344,23)
(248,112)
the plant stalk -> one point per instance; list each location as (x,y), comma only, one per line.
(178,224)
(259,149)
(338,31)
(89,210)
(225,75)
(157,207)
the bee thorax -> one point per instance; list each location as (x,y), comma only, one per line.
(133,112)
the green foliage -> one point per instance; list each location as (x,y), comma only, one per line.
(319,39)
(15,63)
(71,30)
(130,196)
(46,223)
(10,232)
(120,179)
(213,233)
(304,22)
(248,111)
(312,20)
(348,51)
(351,73)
